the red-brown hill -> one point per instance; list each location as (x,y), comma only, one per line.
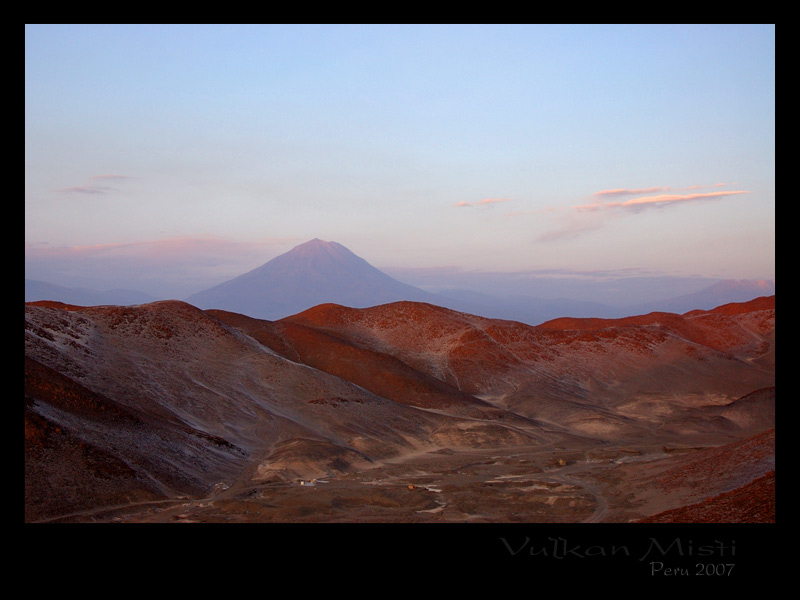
(376,371)
(188,403)
(736,483)
(164,400)
(594,374)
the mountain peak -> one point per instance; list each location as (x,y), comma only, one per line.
(312,273)
(317,246)
(315,243)
(323,258)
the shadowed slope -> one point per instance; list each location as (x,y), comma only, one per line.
(489,356)
(595,376)
(224,402)
(376,371)
(200,406)
(57,457)
(83,449)
(438,341)
(751,503)
(386,376)
(736,483)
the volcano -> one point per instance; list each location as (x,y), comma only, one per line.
(310,274)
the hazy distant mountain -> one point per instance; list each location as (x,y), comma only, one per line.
(312,273)
(534,310)
(722,292)
(533,298)
(319,272)
(41,290)
(525,309)
(603,288)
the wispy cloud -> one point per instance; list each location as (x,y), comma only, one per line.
(94,188)
(582,218)
(484,202)
(85,189)
(571,228)
(630,192)
(700,187)
(644,202)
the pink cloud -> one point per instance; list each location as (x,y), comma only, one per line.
(484,202)
(586,217)
(700,187)
(493,201)
(637,204)
(630,192)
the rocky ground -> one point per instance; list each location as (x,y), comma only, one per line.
(399,414)
(526,485)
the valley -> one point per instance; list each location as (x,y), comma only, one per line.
(529,485)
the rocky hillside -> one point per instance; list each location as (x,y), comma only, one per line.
(585,375)
(162,401)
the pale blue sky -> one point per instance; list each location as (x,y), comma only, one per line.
(169,158)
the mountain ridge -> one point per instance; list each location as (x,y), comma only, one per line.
(42,290)
(168,404)
(318,272)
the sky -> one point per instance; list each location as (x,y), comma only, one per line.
(170,158)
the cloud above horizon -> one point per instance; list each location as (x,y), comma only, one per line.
(630,192)
(93,188)
(484,202)
(85,189)
(644,202)
(579,221)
